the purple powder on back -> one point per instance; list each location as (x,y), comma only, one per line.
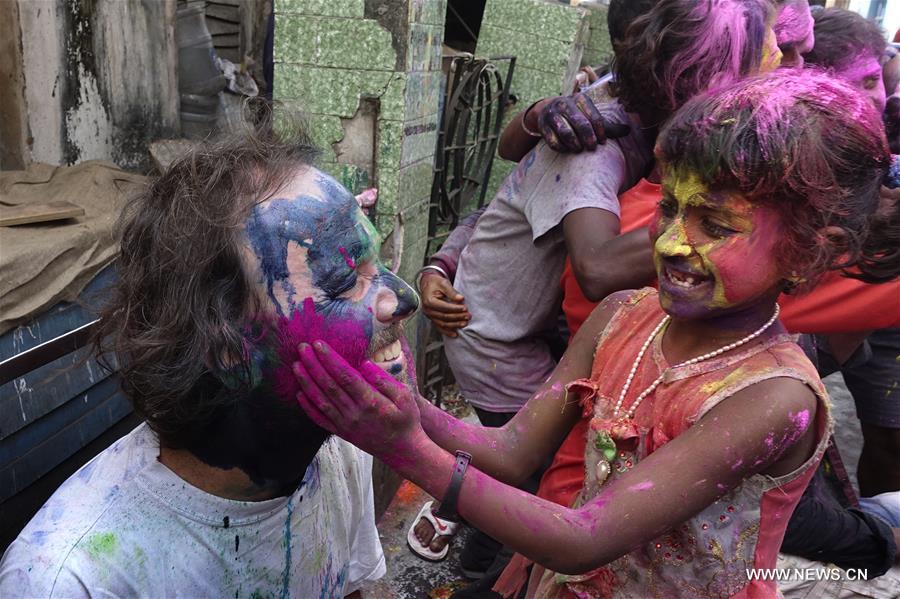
(346,337)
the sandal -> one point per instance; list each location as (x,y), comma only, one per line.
(442,528)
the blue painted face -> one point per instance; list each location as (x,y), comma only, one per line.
(313,249)
(313,257)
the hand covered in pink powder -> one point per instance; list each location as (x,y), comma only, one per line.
(367,407)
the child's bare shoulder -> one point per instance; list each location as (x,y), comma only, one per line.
(601,316)
(784,391)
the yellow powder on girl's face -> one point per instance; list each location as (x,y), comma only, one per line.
(689,189)
(771,58)
(722,242)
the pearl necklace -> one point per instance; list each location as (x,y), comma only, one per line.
(706,356)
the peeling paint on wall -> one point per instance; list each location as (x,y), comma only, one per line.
(88,130)
(100,79)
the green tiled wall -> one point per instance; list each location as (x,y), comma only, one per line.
(598,49)
(329,55)
(330,8)
(538,18)
(548,40)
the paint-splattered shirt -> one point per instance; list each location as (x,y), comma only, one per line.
(125,525)
(509,271)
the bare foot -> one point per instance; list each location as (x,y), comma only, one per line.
(424,532)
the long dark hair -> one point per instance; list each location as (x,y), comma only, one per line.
(178,310)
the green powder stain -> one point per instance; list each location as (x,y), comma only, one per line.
(319,558)
(101,544)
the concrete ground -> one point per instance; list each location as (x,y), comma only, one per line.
(410,577)
(847,432)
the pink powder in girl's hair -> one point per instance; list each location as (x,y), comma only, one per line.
(346,337)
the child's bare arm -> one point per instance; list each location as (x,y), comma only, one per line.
(768,427)
(764,428)
(511,453)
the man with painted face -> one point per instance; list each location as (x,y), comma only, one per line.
(851,48)
(236,254)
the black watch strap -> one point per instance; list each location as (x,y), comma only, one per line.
(447,511)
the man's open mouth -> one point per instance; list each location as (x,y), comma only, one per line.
(388,352)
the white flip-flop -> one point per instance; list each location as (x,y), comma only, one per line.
(442,528)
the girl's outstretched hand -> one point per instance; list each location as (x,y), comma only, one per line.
(367,407)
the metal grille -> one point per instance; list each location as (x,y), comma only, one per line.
(474,103)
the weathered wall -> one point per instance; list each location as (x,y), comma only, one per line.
(598,47)
(548,40)
(13,124)
(367,74)
(99,78)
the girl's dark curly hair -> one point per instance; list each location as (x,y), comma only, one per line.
(683,47)
(180,306)
(803,143)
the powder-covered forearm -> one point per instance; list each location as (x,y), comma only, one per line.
(490,449)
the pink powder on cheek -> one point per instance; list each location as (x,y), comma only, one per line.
(731,258)
(860,70)
(346,337)
(642,486)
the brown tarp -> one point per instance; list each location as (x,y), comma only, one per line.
(42,264)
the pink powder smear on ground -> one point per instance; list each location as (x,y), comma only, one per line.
(347,337)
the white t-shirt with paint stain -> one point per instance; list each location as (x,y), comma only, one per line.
(125,525)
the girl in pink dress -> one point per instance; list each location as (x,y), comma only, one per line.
(707,421)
